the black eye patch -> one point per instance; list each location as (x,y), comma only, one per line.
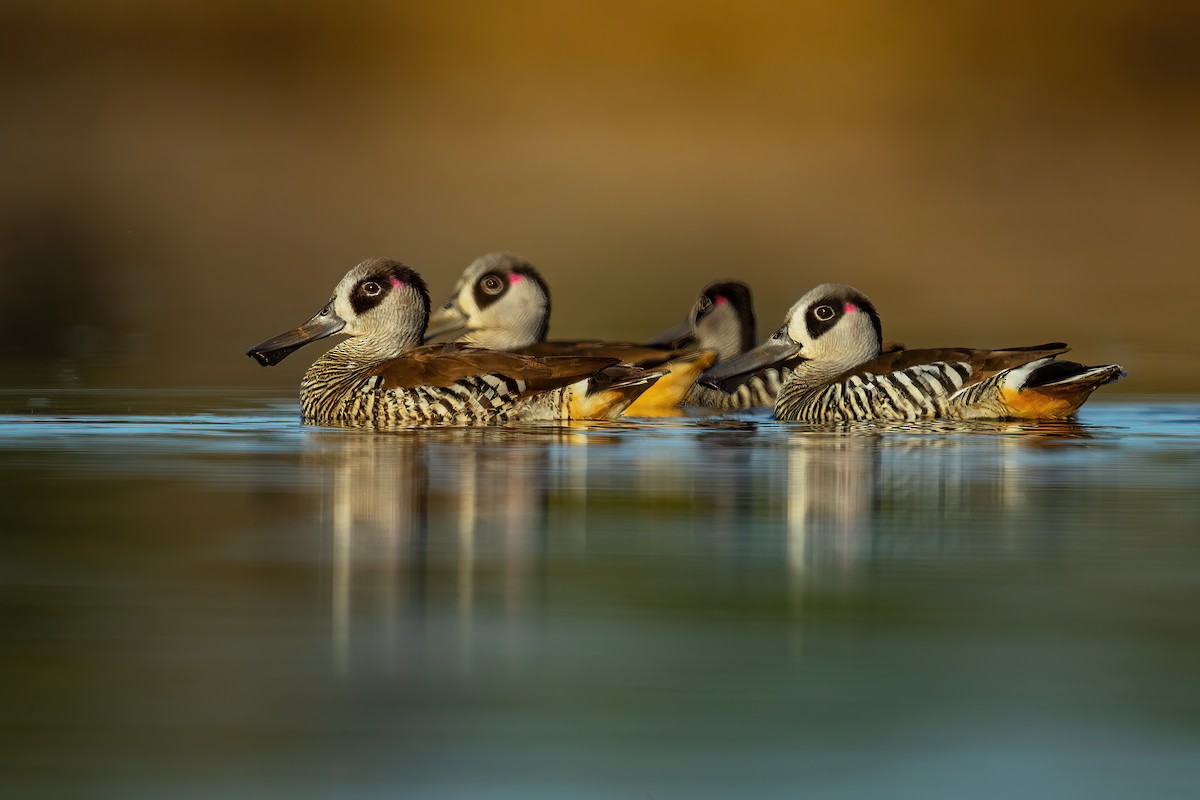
(369,292)
(837,305)
(489,289)
(823,315)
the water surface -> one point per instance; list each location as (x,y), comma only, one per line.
(201,598)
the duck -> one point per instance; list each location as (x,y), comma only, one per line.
(841,372)
(503,302)
(383,376)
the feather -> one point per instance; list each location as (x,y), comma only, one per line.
(443,365)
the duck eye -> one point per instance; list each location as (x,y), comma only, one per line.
(371,288)
(823,313)
(492,284)
(704,305)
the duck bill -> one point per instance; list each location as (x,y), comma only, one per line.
(731,373)
(277,348)
(449,320)
(680,335)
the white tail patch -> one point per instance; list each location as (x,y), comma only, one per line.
(1016,378)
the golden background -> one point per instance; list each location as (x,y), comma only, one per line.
(184,179)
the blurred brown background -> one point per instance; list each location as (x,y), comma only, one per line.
(184,179)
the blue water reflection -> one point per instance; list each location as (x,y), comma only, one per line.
(227,601)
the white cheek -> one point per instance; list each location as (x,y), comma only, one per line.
(341,307)
(468,305)
(798,332)
(501,312)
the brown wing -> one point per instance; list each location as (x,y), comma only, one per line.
(984,363)
(641,355)
(443,365)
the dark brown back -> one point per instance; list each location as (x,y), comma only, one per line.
(641,355)
(444,364)
(984,363)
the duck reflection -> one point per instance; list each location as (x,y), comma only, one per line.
(876,490)
(411,514)
(375,509)
(833,486)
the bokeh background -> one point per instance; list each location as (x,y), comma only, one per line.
(184,179)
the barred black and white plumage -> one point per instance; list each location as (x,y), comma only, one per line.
(381,377)
(328,397)
(843,375)
(917,392)
(757,391)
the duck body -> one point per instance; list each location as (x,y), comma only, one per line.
(842,374)
(382,377)
(456,385)
(954,383)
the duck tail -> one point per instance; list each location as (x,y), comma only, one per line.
(610,391)
(1049,389)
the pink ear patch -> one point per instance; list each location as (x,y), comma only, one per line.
(849,307)
(397,282)
(721,300)
(514,278)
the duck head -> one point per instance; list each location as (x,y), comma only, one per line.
(834,326)
(501,302)
(721,320)
(381,302)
